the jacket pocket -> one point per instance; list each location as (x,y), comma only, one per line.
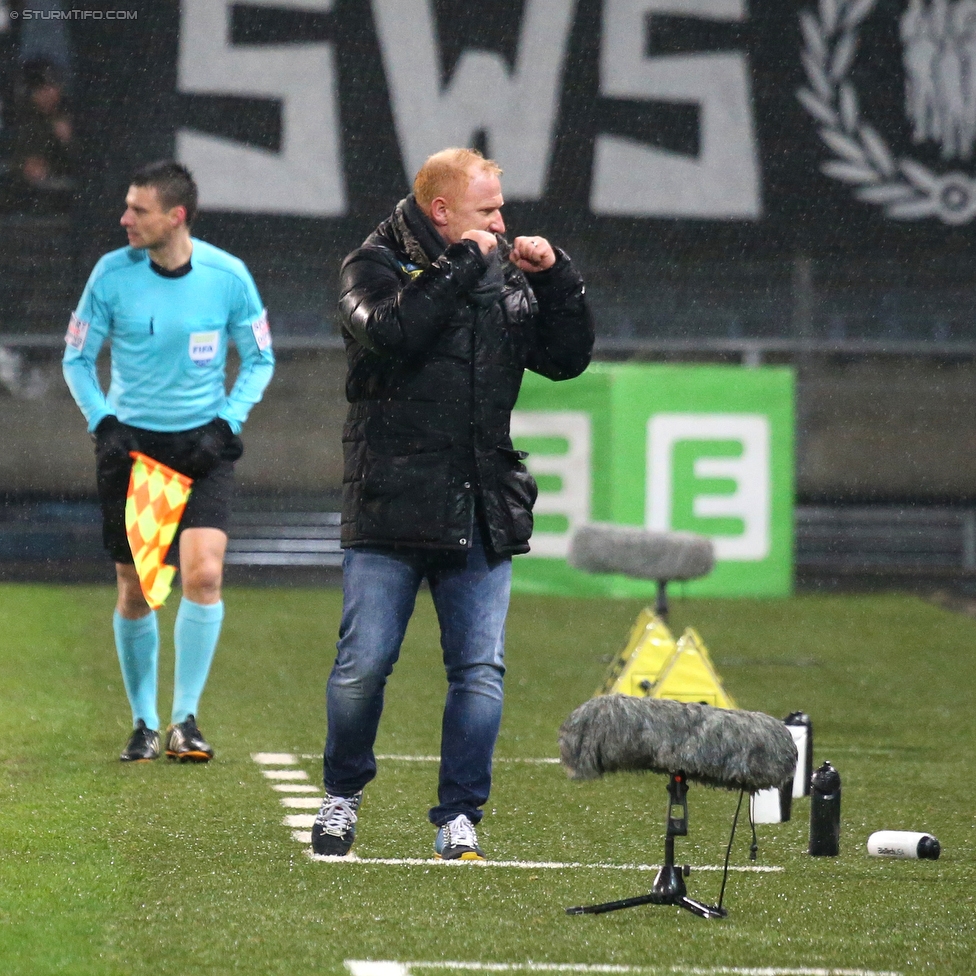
(404,497)
(517,491)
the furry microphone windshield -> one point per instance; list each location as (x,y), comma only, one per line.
(730,749)
(601,547)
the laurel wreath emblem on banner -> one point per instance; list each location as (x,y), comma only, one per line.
(906,189)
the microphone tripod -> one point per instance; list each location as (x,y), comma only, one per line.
(669,885)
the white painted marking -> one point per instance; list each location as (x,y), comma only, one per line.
(295,788)
(528,760)
(389,757)
(396,757)
(275,758)
(301,802)
(864,750)
(284,774)
(377,967)
(537,865)
(302,836)
(783,971)
(299,820)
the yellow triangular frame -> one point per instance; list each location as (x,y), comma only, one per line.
(649,647)
(690,676)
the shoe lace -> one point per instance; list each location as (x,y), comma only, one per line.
(460,833)
(338,814)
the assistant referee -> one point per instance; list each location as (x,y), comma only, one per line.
(169,305)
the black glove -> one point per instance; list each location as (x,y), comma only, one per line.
(489,286)
(216,442)
(113,441)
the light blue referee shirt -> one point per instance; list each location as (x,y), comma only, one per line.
(169,338)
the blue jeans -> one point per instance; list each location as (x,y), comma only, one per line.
(471,594)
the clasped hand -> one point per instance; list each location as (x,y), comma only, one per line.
(528,253)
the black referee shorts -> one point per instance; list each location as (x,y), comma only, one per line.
(207,508)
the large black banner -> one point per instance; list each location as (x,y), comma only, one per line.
(719,168)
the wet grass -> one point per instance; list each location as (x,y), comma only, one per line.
(165,869)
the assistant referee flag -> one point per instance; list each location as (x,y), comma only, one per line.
(153,508)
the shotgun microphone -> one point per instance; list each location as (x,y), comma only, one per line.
(602,547)
(729,749)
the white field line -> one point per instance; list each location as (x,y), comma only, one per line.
(352,858)
(358,967)
(396,757)
(302,821)
(528,760)
(285,774)
(858,750)
(304,837)
(308,802)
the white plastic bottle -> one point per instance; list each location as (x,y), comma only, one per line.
(906,844)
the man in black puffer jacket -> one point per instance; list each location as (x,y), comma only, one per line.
(441,316)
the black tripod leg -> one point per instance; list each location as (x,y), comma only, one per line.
(611,906)
(689,904)
(669,886)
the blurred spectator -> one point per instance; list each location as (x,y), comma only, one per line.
(46,38)
(42,160)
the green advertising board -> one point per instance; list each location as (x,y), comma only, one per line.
(705,449)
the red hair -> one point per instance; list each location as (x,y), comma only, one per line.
(447,174)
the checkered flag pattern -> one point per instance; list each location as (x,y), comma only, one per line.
(153,508)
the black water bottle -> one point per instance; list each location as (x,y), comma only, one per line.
(825,812)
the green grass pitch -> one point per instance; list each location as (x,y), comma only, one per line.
(167,869)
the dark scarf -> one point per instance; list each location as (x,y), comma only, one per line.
(424,245)
(420,238)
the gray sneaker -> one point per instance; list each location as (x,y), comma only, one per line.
(457,841)
(334,829)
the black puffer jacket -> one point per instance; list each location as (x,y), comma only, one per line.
(432,380)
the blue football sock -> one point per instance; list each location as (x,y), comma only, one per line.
(195,636)
(137,643)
